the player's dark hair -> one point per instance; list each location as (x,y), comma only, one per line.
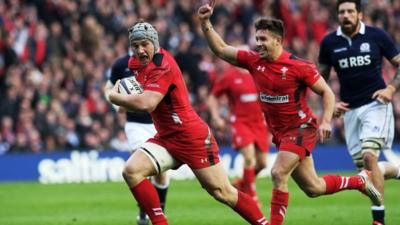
(273,25)
(357,2)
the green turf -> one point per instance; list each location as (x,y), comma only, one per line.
(188,204)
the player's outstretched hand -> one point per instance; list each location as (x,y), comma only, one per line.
(384,95)
(205,11)
(324,131)
(340,109)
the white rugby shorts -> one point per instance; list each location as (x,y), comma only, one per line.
(138,133)
(374,120)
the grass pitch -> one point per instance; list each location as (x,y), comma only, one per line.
(188,204)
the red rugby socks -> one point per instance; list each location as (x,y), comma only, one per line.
(248,209)
(279,204)
(335,183)
(146,195)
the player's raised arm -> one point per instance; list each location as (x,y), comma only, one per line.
(217,45)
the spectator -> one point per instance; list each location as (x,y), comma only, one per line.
(60,51)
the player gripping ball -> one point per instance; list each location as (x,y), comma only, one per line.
(129,85)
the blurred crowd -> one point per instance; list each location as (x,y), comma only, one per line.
(55,56)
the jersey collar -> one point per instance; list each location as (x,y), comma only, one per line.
(339,31)
(360,31)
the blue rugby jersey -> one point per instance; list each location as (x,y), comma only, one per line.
(358,62)
(120,70)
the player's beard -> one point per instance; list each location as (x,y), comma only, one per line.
(349,27)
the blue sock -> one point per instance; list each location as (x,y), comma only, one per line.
(162,193)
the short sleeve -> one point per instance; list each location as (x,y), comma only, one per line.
(245,58)
(159,79)
(308,74)
(386,44)
(324,57)
(242,58)
(117,70)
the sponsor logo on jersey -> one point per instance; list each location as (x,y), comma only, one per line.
(274,99)
(301,114)
(365,47)
(248,97)
(176,118)
(354,61)
(340,50)
(155,85)
(204,160)
(238,81)
(284,70)
(376,129)
(316,74)
(261,68)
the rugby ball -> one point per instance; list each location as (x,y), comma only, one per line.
(129,85)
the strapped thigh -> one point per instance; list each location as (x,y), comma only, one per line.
(159,156)
(372,145)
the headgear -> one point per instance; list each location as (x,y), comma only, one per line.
(143,30)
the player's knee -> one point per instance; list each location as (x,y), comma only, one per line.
(127,172)
(249,161)
(132,174)
(248,158)
(370,149)
(369,159)
(278,174)
(221,194)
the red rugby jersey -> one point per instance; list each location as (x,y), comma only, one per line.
(282,87)
(174,114)
(239,86)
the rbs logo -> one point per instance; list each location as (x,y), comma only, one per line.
(355,61)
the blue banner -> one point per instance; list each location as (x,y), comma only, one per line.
(95,166)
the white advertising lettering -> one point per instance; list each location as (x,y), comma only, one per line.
(248,97)
(274,99)
(354,61)
(81,167)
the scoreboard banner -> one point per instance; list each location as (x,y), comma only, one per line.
(103,166)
